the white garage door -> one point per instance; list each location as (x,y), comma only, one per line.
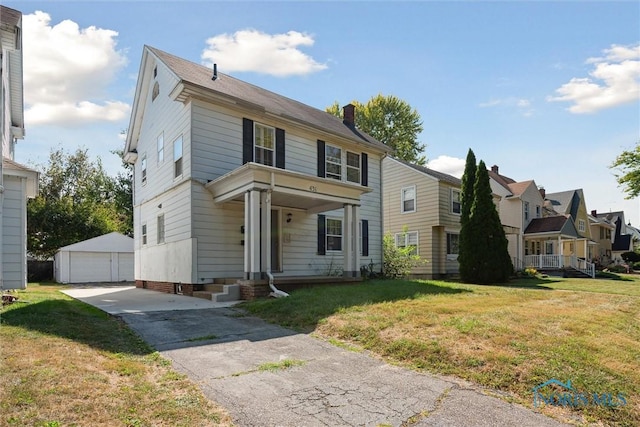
(125,267)
(89,267)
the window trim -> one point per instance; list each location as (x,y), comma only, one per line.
(337,177)
(403,199)
(526,211)
(358,168)
(143,169)
(452,255)
(582,225)
(160,147)
(459,202)
(178,164)
(327,234)
(161,230)
(272,150)
(406,235)
(143,233)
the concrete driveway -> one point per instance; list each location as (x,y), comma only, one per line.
(222,348)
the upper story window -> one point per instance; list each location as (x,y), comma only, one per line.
(582,226)
(456,205)
(334,234)
(177,157)
(143,168)
(526,211)
(538,211)
(160,147)
(333,159)
(408,239)
(264,142)
(353,167)
(155,92)
(408,199)
(144,234)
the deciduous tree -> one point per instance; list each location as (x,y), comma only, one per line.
(629,163)
(391,121)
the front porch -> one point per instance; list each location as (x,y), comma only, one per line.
(560,262)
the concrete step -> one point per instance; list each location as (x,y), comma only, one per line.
(203,294)
(219,293)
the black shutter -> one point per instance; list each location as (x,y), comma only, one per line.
(321,157)
(364,170)
(247,141)
(322,234)
(365,237)
(280,148)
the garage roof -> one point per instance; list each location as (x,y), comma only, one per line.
(112,242)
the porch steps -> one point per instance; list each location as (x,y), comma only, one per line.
(219,292)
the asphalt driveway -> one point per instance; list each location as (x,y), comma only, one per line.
(222,349)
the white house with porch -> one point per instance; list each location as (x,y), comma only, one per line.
(234,184)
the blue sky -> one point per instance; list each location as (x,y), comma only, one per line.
(548,91)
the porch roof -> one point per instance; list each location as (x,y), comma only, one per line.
(288,188)
(552,226)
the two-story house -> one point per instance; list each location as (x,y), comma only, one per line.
(232,181)
(422,209)
(17,182)
(520,203)
(624,238)
(602,230)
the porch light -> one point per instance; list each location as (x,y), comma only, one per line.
(289,217)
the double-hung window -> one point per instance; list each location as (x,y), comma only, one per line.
(582,227)
(353,167)
(160,228)
(333,159)
(408,239)
(456,204)
(144,234)
(177,157)
(453,245)
(160,147)
(526,211)
(334,234)
(264,143)
(408,199)
(143,167)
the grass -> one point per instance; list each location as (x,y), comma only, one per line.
(510,338)
(65,363)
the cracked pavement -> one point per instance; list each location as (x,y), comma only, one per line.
(334,386)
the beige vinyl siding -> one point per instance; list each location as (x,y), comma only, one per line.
(14,222)
(432,219)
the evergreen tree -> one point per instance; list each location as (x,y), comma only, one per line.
(465,248)
(490,262)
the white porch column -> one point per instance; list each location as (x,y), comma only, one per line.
(265,202)
(561,246)
(347,245)
(351,247)
(253,235)
(245,236)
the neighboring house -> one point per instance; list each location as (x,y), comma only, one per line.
(573,204)
(232,181)
(520,203)
(602,231)
(422,209)
(106,258)
(624,238)
(17,182)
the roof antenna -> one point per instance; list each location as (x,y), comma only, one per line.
(215,72)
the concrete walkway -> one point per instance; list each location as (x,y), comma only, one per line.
(222,349)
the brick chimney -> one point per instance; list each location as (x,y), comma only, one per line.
(594,213)
(543,192)
(494,169)
(349,115)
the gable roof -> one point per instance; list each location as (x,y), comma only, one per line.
(560,224)
(111,242)
(565,202)
(9,17)
(517,188)
(501,179)
(440,176)
(622,243)
(197,79)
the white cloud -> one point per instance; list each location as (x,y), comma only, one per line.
(522,105)
(252,50)
(449,165)
(614,81)
(67,71)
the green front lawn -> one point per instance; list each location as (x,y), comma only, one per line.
(509,338)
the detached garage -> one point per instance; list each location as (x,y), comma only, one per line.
(107,258)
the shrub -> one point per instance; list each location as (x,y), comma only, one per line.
(630,257)
(617,269)
(530,272)
(397,262)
